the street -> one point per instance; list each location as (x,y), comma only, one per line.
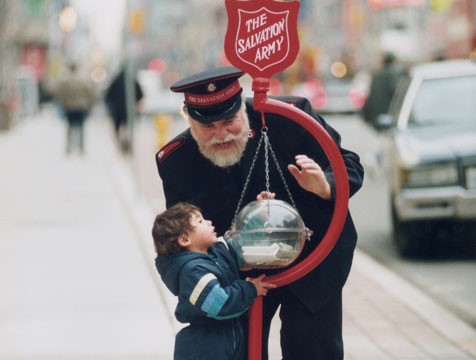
(448,276)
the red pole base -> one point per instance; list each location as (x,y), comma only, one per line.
(255,329)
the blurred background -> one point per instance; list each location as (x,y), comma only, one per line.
(164,40)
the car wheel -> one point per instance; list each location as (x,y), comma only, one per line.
(409,238)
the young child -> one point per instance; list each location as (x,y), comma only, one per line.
(203,272)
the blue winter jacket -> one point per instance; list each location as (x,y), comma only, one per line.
(211,298)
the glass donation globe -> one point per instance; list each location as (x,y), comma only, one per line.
(268,234)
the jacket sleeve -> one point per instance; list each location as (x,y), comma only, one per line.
(203,290)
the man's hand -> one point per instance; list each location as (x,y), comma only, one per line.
(310,176)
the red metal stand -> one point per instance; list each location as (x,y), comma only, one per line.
(262,39)
(263,104)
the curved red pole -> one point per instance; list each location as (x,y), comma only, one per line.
(341,201)
(263,104)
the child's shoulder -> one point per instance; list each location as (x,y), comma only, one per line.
(221,241)
(225,249)
(224,245)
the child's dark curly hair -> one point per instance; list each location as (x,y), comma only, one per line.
(169,225)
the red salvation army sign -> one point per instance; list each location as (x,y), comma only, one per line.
(261,38)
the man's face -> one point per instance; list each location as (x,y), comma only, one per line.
(222,142)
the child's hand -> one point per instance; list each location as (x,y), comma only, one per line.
(261,286)
(265,195)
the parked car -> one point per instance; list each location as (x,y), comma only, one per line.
(431,155)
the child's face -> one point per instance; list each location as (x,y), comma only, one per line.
(203,234)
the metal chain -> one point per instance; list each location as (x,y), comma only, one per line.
(267,149)
(266,173)
(248,177)
(266,157)
(281,173)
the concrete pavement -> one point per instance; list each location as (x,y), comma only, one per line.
(77,275)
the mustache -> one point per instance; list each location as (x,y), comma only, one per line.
(214,140)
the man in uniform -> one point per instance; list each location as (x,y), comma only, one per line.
(207,165)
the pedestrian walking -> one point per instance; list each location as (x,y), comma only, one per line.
(203,272)
(117,105)
(382,87)
(208,164)
(76,97)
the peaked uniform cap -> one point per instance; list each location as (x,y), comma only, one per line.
(211,95)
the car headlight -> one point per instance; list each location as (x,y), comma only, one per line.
(437,175)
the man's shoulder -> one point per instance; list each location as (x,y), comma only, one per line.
(174,148)
(298,102)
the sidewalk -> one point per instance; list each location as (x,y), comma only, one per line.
(77,274)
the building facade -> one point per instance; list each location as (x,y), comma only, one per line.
(28,33)
(188,35)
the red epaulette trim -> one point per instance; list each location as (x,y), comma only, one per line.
(170,148)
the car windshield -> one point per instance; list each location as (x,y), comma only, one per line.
(445,101)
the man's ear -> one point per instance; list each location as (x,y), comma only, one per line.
(183,240)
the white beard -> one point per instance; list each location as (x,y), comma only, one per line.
(225,158)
